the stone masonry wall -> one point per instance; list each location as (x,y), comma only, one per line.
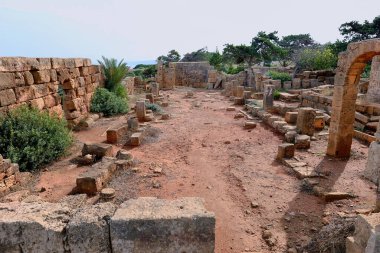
(38,82)
(192,74)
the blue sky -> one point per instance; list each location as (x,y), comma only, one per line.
(141,30)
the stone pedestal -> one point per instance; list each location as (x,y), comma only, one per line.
(373,93)
(291,117)
(268,97)
(372,169)
(140,110)
(155,87)
(240,91)
(305,121)
(247,94)
(285,150)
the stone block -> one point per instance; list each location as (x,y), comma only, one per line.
(290,136)
(291,117)
(136,139)
(115,134)
(38,103)
(319,122)
(238,101)
(140,110)
(372,169)
(250,125)
(285,150)
(361,117)
(39,90)
(172,226)
(57,63)
(33,227)
(23,94)
(98,175)
(305,121)
(7,81)
(88,229)
(296,83)
(44,63)
(302,142)
(41,76)
(97,149)
(70,84)
(7,97)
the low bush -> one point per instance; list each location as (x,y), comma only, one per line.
(109,103)
(275,75)
(276,95)
(32,138)
(153,107)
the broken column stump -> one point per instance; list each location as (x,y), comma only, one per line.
(155,225)
(155,87)
(140,110)
(305,121)
(268,97)
(285,150)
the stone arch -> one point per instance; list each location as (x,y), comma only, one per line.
(351,64)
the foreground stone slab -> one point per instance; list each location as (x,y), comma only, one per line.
(115,134)
(88,230)
(171,226)
(33,227)
(136,139)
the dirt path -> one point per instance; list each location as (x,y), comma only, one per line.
(204,152)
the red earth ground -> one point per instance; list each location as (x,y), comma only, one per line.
(204,152)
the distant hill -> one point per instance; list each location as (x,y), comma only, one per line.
(132,64)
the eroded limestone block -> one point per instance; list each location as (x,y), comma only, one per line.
(33,227)
(88,230)
(372,168)
(302,142)
(291,117)
(285,150)
(98,149)
(305,121)
(171,226)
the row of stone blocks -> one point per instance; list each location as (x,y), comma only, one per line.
(136,226)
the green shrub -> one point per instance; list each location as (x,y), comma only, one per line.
(316,59)
(275,75)
(32,138)
(114,72)
(108,103)
(276,95)
(234,70)
(153,107)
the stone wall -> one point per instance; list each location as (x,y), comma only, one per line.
(38,82)
(192,74)
(138,225)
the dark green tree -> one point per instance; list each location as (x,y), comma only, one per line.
(356,31)
(172,56)
(196,56)
(216,59)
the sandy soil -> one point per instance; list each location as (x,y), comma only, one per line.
(203,151)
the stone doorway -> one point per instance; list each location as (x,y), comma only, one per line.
(351,64)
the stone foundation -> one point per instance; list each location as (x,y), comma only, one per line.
(142,225)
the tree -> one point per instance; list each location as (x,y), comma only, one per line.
(216,59)
(263,48)
(290,44)
(196,56)
(172,56)
(355,31)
